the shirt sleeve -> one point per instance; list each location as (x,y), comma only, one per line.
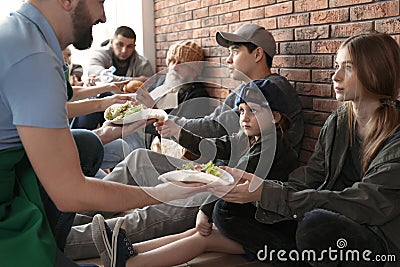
(216,148)
(372,201)
(35,90)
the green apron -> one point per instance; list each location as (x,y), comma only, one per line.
(25,235)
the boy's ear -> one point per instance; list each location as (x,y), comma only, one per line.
(277,116)
(259,54)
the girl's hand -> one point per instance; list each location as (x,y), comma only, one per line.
(168,129)
(203,225)
(247,189)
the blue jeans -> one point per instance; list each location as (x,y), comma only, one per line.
(90,151)
(117,150)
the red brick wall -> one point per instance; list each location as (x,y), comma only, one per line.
(307,32)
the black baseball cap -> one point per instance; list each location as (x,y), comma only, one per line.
(265,93)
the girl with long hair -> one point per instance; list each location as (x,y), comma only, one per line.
(342,208)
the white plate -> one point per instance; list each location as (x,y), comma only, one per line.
(144,114)
(197,176)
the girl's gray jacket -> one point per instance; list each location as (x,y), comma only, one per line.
(373,201)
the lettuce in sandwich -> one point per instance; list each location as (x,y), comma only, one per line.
(119,111)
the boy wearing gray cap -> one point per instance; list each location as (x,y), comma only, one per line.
(251,51)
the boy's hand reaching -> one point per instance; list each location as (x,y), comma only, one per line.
(203,225)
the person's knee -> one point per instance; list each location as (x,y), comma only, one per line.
(137,154)
(221,216)
(90,150)
(316,226)
(316,217)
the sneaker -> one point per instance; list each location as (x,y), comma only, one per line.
(114,247)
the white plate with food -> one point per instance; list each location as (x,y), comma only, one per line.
(128,113)
(204,173)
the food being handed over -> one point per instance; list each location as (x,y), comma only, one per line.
(207,168)
(119,111)
(129,112)
(203,173)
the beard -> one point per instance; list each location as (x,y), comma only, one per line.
(85,42)
(82,27)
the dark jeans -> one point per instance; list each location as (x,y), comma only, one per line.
(91,152)
(90,149)
(236,221)
(319,229)
(90,122)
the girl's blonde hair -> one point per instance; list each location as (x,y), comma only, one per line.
(376,59)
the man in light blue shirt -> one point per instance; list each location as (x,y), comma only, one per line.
(31,72)
(35,141)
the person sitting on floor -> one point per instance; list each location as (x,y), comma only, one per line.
(251,57)
(262,109)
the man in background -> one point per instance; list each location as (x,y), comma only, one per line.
(121,54)
(127,64)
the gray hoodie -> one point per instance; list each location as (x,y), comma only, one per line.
(102,59)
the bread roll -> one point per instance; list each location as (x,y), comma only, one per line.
(132,86)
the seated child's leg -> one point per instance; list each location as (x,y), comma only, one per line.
(185,249)
(161,241)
